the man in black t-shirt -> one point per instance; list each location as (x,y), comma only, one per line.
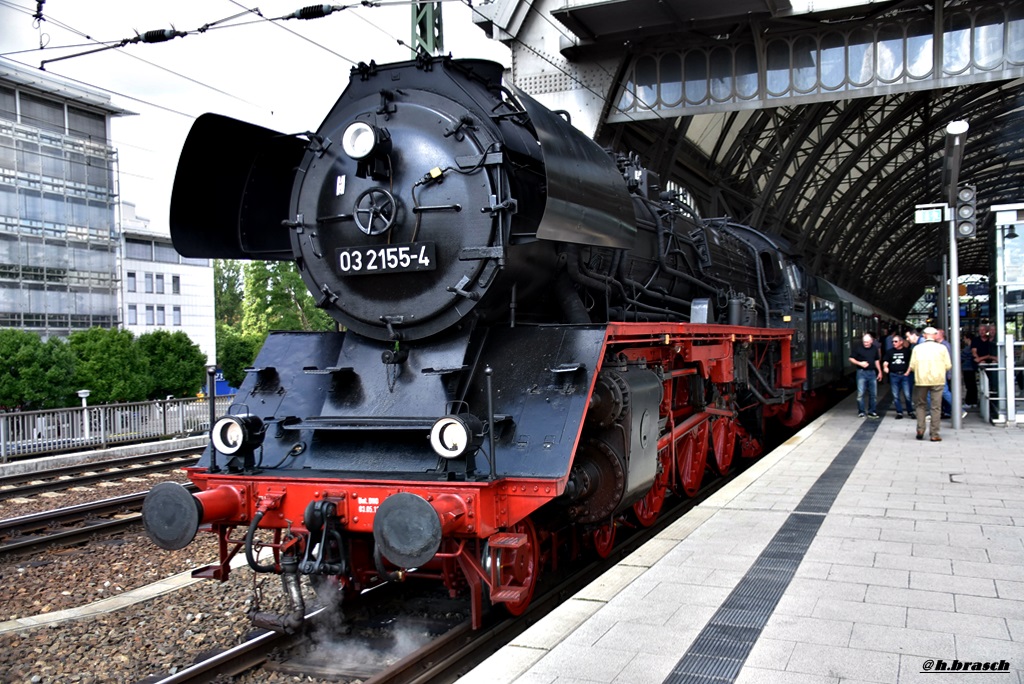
(896,362)
(866,358)
(986,355)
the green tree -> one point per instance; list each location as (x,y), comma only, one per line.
(34,374)
(176,363)
(227,291)
(59,361)
(276,298)
(110,364)
(236,352)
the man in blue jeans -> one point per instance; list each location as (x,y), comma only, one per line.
(867,359)
(897,360)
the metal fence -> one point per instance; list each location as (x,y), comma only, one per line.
(29,433)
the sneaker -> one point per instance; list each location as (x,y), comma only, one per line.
(912,414)
(945,416)
(920,435)
(872,415)
(899,416)
(963,414)
(860,415)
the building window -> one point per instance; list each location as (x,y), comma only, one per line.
(149,315)
(177,315)
(175,284)
(138,249)
(8,109)
(86,124)
(42,113)
(159,283)
(160,315)
(131,281)
(165,252)
(149,283)
(133,315)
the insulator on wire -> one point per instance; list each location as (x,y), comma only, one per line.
(313,12)
(159,36)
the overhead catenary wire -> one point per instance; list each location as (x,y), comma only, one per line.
(324,10)
(305,13)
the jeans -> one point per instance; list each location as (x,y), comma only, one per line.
(971,385)
(901,392)
(867,381)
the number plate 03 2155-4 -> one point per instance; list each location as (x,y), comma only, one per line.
(412,256)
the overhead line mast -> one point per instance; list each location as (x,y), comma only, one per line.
(427,29)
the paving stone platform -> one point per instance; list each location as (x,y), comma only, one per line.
(907,558)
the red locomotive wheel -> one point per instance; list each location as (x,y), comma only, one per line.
(648,508)
(604,539)
(692,458)
(521,567)
(723,438)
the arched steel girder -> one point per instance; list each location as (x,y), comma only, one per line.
(847,166)
(899,246)
(828,192)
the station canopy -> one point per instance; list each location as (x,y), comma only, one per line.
(826,129)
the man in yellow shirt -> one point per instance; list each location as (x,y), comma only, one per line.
(929,362)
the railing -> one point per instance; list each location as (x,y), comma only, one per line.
(30,433)
(998,388)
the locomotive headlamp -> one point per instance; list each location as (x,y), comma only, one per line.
(360,140)
(231,433)
(453,436)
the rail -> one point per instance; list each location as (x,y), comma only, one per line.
(34,433)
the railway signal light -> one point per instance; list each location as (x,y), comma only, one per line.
(966,212)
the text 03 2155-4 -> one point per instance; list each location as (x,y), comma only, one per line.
(413,256)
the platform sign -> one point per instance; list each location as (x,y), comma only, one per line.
(929,213)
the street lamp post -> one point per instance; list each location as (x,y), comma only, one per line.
(956,136)
(84,395)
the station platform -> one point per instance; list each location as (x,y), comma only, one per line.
(852,553)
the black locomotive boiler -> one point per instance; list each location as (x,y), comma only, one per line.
(536,342)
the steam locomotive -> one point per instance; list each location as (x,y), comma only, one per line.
(537,343)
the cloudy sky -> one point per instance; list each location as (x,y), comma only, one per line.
(282,75)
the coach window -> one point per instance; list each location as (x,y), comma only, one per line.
(133,315)
(159,283)
(149,283)
(150,315)
(175,284)
(131,281)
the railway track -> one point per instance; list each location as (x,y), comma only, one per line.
(55,479)
(445,658)
(48,528)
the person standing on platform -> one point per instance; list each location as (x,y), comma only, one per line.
(867,359)
(947,395)
(985,354)
(913,338)
(929,362)
(970,371)
(897,360)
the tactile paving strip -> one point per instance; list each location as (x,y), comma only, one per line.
(719,651)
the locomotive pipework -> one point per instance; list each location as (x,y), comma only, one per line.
(538,345)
